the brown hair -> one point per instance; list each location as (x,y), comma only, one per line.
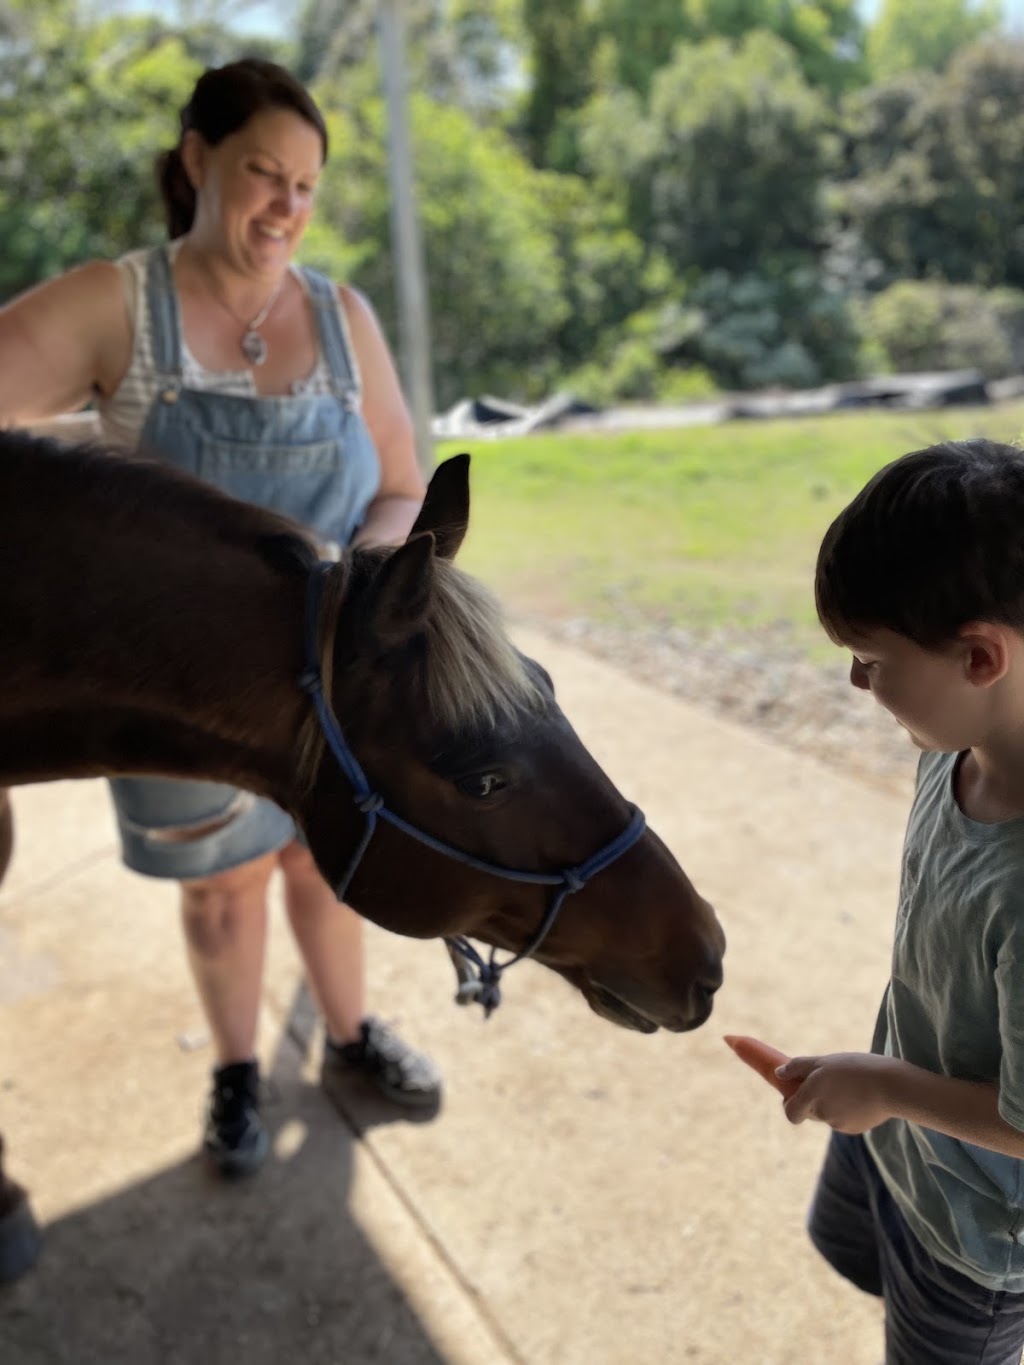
(225,98)
(933,541)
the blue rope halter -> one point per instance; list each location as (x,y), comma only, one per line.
(480,978)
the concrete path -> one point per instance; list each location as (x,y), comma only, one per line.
(586,1197)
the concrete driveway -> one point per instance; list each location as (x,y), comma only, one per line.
(587,1196)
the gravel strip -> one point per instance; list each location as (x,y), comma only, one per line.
(760,680)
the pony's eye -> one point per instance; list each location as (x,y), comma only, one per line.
(481,785)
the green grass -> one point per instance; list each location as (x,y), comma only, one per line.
(703,527)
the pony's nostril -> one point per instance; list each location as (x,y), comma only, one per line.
(705,990)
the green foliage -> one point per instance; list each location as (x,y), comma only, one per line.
(1008,306)
(741,145)
(561,41)
(924,325)
(642,38)
(826,36)
(495,278)
(616,143)
(691,384)
(936,189)
(924,35)
(632,370)
(465,52)
(68,197)
(605,267)
(754,330)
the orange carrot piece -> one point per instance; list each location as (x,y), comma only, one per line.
(763,1059)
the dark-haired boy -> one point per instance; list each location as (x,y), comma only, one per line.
(921,1198)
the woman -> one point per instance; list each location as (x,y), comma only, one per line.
(220,356)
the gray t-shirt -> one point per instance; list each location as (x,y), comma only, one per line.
(955,1005)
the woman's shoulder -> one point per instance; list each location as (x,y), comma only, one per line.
(353,300)
(363,324)
(89,293)
(98,288)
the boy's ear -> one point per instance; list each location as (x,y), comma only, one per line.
(988,651)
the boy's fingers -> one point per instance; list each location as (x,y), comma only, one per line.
(797,1068)
(795,1108)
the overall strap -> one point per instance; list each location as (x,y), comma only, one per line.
(164,319)
(334,339)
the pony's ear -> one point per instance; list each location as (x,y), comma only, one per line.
(401,591)
(445,510)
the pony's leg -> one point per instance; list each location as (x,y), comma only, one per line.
(6,831)
(20,1238)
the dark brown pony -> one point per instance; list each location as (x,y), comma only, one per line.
(150,624)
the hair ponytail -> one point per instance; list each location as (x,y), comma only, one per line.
(176,191)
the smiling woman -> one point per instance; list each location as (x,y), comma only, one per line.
(218,355)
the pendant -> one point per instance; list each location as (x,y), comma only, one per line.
(254,348)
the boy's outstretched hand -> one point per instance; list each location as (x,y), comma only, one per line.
(850,1091)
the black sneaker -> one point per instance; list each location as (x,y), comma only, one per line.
(399,1072)
(235,1139)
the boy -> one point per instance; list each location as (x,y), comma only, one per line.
(921,1197)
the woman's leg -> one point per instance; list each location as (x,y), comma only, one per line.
(330,939)
(225,923)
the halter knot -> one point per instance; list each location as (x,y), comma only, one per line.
(371,803)
(488,992)
(309,681)
(573,880)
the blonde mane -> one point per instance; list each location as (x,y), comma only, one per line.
(475,676)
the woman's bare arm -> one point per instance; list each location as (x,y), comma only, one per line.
(393,511)
(62,342)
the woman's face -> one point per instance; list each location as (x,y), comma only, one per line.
(255,189)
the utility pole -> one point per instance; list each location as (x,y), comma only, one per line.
(406,244)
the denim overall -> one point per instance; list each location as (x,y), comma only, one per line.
(310,457)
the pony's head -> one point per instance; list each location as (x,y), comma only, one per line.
(461,738)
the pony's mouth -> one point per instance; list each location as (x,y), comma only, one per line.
(617,1011)
(613,1008)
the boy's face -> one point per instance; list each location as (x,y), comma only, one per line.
(941,697)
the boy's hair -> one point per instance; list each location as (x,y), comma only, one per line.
(933,541)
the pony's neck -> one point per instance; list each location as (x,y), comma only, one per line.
(150,644)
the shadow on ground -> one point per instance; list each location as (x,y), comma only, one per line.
(184,1268)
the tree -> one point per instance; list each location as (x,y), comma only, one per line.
(741,146)
(924,325)
(643,37)
(118,84)
(468,52)
(608,276)
(780,325)
(827,36)
(493,269)
(561,40)
(935,190)
(925,35)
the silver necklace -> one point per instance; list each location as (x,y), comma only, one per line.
(254,348)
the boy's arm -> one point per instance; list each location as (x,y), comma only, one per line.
(855,1091)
